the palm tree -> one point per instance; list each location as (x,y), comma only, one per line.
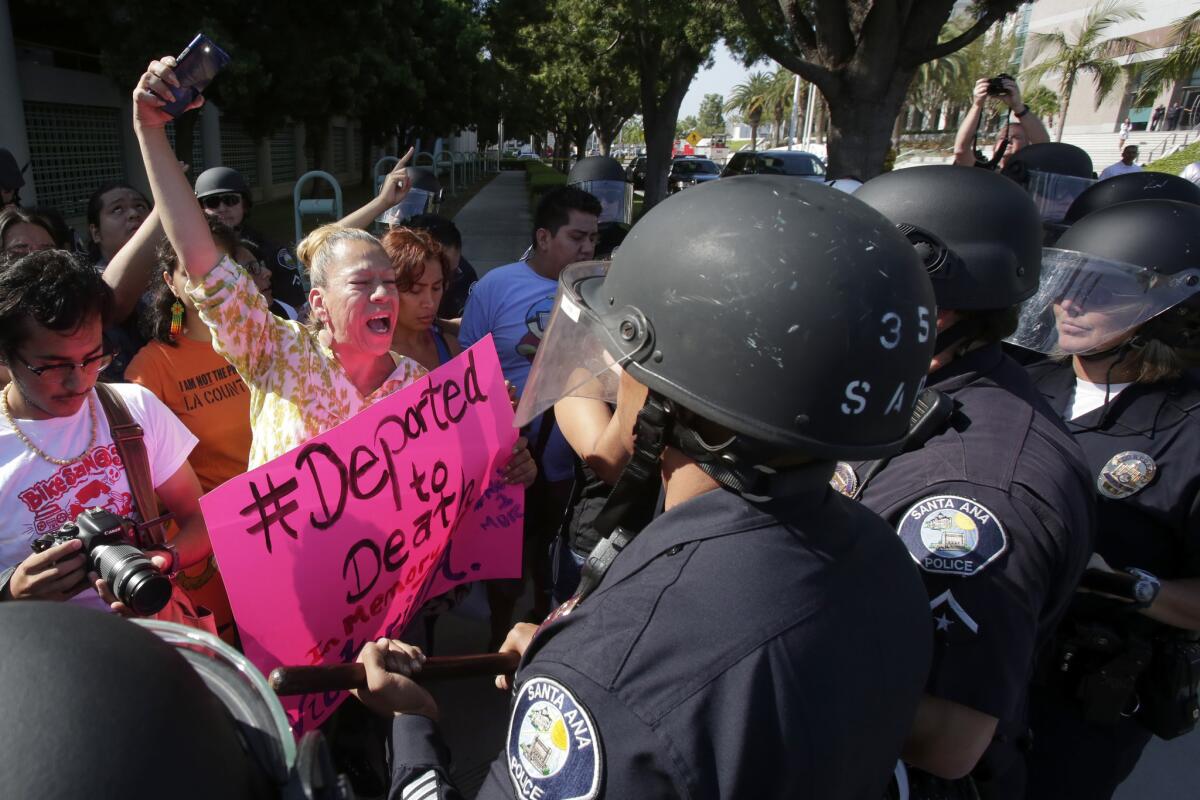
(779,102)
(750,99)
(1091,52)
(1180,61)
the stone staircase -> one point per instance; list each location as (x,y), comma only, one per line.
(1152,145)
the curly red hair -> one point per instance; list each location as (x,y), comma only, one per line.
(409,249)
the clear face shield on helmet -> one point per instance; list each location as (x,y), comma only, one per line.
(576,357)
(616,199)
(1086,304)
(1053,194)
(417,201)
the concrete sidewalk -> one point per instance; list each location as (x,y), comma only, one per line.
(495,224)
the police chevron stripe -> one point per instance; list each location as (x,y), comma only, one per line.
(424,787)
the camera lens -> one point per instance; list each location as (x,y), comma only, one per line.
(132,577)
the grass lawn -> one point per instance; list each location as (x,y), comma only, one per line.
(1175,163)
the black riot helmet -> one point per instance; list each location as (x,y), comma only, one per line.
(1059,158)
(10,174)
(221,180)
(604,178)
(786,312)
(98,705)
(1129,267)
(1132,186)
(1054,174)
(978,234)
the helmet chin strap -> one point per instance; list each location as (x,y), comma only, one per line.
(955,334)
(634,499)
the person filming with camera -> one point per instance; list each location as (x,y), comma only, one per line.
(1027,129)
(60,461)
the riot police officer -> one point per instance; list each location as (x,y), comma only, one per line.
(224,194)
(1120,299)
(604,178)
(764,635)
(1054,174)
(990,496)
(1131,186)
(97,705)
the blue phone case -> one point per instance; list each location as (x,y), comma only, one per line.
(195,68)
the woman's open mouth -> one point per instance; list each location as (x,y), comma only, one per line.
(380,324)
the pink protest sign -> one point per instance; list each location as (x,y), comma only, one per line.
(341,540)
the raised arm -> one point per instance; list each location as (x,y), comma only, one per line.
(393,190)
(174,200)
(964,153)
(132,267)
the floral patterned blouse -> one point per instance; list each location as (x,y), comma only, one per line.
(298,388)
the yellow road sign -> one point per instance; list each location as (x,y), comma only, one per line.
(693,138)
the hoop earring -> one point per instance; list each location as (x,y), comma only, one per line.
(176,319)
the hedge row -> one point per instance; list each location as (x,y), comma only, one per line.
(541,178)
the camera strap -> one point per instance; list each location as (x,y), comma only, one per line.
(129,438)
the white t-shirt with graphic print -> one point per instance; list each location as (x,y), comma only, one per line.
(37,497)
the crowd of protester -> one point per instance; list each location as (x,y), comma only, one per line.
(1056,424)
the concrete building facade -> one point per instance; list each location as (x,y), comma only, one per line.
(1153,30)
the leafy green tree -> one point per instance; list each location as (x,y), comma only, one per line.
(686,125)
(711,118)
(1180,62)
(1042,101)
(750,99)
(1088,51)
(779,102)
(861,55)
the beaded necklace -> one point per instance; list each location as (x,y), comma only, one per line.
(62,462)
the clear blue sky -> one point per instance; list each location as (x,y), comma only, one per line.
(726,72)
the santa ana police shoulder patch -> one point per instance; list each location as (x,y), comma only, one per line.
(952,535)
(553,747)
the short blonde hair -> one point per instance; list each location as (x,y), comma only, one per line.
(316,251)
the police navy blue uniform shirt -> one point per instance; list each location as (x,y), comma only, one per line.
(732,650)
(1142,452)
(1143,448)
(996,511)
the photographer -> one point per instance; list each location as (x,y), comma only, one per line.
(57,453)
(1027,129)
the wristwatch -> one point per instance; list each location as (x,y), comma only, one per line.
(1146,589)
(1024,110)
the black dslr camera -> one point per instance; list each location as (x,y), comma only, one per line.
(132,577)
(996,85)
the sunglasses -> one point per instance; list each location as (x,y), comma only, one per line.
(215,201)
(89,366)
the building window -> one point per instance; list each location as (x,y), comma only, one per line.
(73,149)
(283,155)
(340,144)
(238,150)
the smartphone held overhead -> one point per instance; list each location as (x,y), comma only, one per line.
(195,68)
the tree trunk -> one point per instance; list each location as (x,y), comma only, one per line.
(1064,91)
(660,135)
(753,135)
(861,129)
(778,127)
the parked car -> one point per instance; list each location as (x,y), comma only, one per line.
(776,162)
(635,173)
(690,171)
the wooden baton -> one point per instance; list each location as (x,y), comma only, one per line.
(343,677)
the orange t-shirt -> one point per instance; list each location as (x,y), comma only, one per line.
(210,399)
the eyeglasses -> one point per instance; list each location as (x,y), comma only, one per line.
(254,267)
(215,201)
(89,366)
